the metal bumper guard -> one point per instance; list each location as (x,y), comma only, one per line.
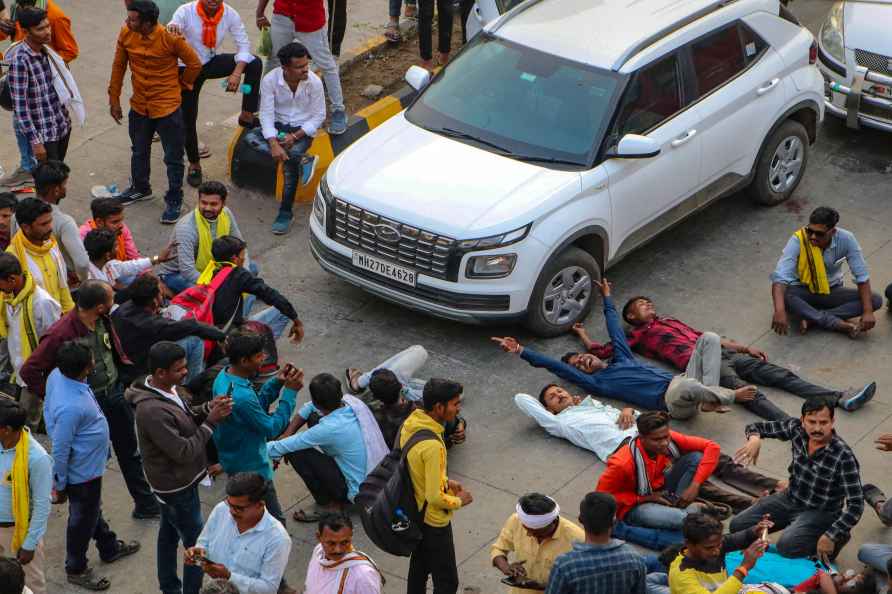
(855,97)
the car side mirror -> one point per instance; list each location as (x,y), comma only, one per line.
(418,77)
(634,146)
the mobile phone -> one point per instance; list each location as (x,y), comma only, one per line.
(519,583)
(200,559)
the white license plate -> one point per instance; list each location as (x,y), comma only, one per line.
(384,268)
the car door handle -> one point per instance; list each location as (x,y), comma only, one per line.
(683,138)
(767,86)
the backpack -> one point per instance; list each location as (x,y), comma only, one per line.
(386,499)
(197,303)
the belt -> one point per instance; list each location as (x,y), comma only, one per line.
(7,524)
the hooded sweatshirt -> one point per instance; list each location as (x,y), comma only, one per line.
(427,469)
(172,437)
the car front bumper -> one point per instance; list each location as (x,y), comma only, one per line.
(855,99)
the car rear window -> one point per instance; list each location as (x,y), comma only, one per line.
(717,58)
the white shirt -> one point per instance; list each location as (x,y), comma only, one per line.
(256,558)
(46,312)
(305,107)
(115,269)
(187,19)
(362,577)
(169,395)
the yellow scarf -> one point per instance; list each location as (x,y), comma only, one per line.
(207,275)
(205,240)
(21,491)
(812,273)
(42,254)
(26,328)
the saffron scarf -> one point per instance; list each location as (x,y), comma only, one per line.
(48,263)
(204,256)
(26,321)
(209,24)
(811,269)
(21,491)
(120,245)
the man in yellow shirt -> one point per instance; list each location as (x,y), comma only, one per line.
(536,534)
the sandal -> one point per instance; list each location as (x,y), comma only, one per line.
(392,33)
(89,581)
(203,151)
(351,374)
(125,549)
(307,518)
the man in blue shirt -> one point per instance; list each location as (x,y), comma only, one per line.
(80,436)
(628,379)
(29,552)
(811,289)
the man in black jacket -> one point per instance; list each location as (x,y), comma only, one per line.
(140,321)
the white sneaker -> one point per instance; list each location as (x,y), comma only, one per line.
(16,179)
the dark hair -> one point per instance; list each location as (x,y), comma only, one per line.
(247,484)
(440,391)
(545,391)
(241,345)
(99,243)
(8,200)
(102,208)
(146,9)
(73,358)
(334,522)
(92,293)
(12,576)
(537,504)
(567,356)
(597,512)
(12,414)
(213,188)
(697,527)
(219,586)
(651,420)
(144,289)
(225,248)
(31,209)
(326,392)
(29,17)
(292,50)
(9,265)
(816,404)
(385,386)
(630,303)
(824,215)
(164,354)
(48,174)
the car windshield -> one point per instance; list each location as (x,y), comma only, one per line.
(519,102)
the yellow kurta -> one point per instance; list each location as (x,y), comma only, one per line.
(538,557)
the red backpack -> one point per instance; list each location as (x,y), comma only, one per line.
(197,303)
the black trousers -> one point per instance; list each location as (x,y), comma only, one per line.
(435,557)
(170,129)
(426,27)
(465,6)
(57,149)
(337,25)
(321,475)
(220,66)
(85,523)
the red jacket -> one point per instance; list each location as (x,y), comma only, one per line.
(43,360)
(619,479)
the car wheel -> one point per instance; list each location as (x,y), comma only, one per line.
(781,164)
(563,293)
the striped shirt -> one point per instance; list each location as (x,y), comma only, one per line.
(37,111)
(612,568)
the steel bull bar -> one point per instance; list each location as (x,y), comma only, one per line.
(855,95)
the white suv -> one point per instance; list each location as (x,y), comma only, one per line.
(563,136)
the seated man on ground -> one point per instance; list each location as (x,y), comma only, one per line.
(8,203)
(536,534)
(335,566)
(395,393)
(108,213)
(824,500)
(101,248)
(334,455)
(808,279)
(672,341)
(873,495)
(878,559)
(642,385)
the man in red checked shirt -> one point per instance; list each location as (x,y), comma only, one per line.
(672,341)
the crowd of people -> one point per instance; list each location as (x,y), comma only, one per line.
(166,361)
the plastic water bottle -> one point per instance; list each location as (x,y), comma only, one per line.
(244,88)
(113,189)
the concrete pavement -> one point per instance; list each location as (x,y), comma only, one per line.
(711,271)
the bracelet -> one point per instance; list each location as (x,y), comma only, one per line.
(743,571)
(155,259)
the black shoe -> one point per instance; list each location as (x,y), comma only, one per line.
(131,195)
(146,514)
(171,214)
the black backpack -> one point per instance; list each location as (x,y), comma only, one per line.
(386,501)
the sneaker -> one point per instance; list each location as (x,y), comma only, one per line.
(17,179)
(171,214)
(308,168)
(131,195)
(338,122)
(282,224)
(855,401)
(146,514)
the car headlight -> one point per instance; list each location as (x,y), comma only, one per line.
(485,243)
(322,198)
(319,209)
(832,36)
(491,266)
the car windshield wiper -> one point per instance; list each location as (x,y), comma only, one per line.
(539,159)
(465,136)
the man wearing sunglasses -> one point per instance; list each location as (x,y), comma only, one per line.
(808,280)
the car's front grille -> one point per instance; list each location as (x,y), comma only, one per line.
(418,249)
(874,62)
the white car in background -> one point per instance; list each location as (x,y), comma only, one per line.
(855,58)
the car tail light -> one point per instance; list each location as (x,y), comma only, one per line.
(813,53)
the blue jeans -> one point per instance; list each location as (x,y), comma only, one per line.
(173,138)
(194,347)
(27,154)
(292,168)
(180,521)
(273,318)
(875,555)
(176,282)
(657,583)
(655,539)
(678,478)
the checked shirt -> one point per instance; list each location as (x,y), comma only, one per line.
(664,339)
(823,481)
(38,113)
(612,568)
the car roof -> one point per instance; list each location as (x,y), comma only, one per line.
(602,33)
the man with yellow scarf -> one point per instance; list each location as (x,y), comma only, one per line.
(26,484)
(37,251)
(808,279)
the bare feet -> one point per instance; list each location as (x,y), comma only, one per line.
(443,58)
(850,328)
(745,394)
(427,64)
(803,326)
(353,374)
(713,407)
